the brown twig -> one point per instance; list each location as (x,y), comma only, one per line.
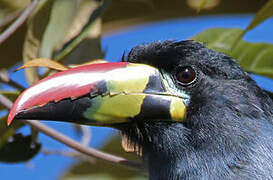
(86,138)
(4,78)
(71,153)
(74,144)
(18,22)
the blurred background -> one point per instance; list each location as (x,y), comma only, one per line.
(80,31)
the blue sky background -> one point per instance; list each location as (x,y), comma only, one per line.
(47,167)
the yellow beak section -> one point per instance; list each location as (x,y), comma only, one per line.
(102,95)
(115,109)
(132,96)
(125,107)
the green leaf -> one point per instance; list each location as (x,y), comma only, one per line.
(14,4)
(90,47)
(36,27)
(5,131)
(11,49)
(42,62)
(253,57)
(263,14)
(19,148)
(75,41)
(62,14)
(15,147)
(103,170)
(202,5)
(11,95)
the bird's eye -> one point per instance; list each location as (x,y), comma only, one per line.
(186,75)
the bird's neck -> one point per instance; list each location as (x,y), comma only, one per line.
(210,152)
(185,159)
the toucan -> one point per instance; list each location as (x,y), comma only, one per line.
(192,111)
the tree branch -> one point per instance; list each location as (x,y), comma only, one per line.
(71,153)
(74,144)
(4,78)
(19,21)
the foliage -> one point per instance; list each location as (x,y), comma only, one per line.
(101,170)
(28,149)
(263,14)
(69,32)
(253,57)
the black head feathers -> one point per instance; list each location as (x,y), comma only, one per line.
(168,54)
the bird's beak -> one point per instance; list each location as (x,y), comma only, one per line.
(100,94)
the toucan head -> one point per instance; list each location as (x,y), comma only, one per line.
(160,93)
(105,94)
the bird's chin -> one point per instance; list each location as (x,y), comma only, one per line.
(138,134)
(129,145)
(136,123)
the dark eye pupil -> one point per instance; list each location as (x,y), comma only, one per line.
(186,75)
